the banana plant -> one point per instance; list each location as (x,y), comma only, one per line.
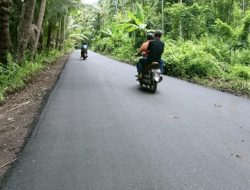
(135,21)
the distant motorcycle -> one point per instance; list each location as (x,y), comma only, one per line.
(151,76)
(84,53)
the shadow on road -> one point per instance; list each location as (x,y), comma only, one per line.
(137,88)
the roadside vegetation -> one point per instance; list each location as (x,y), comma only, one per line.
(15,76)
(34,34)
(207,42)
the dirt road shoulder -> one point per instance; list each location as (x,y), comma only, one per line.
(20,111)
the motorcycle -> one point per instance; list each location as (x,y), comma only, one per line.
(84,53)
(151,76)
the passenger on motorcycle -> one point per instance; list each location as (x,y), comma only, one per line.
(152,49)
(144,52)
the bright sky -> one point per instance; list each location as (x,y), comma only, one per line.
(90,1)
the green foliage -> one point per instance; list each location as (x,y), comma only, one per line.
(118,45)
(223,29)
(243,37)
(223,9)
(207,42)
(124,53)
(15,76)
(187,60)
(241,56)
(241,72)
(188,21)
(215,46)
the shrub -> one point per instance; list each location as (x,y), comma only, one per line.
(15,76)
(223,29)
(240,71)
(241,56)
(187,60)
(216,47)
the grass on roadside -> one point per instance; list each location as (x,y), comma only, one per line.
(207,62)
(16,76)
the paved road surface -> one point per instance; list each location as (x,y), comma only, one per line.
(100,131)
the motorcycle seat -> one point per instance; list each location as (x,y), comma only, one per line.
(155,65)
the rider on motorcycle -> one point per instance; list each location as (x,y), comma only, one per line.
(155,50)
(84,50)
(152,49)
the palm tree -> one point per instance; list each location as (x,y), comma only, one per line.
(82,24)
(39,26)
(56,15)
(24,28)
(4,29)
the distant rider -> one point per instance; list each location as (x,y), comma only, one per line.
(84,49)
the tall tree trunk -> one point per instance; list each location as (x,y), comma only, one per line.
(48,44)
(62,33)
(244,6)
(57,39)
(40,42)
(4,30)
(24,28)
(39,26)
(162,15)
(181,33)
(116,6)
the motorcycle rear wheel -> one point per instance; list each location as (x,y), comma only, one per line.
(153,86)
(141,84)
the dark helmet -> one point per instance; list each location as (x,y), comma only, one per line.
(150,36)
(158,33)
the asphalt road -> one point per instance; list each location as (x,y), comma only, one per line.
(100,131)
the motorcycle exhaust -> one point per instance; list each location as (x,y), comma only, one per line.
(157,75)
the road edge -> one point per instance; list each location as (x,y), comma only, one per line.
(31,127)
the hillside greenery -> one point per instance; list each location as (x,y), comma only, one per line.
(207,42)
